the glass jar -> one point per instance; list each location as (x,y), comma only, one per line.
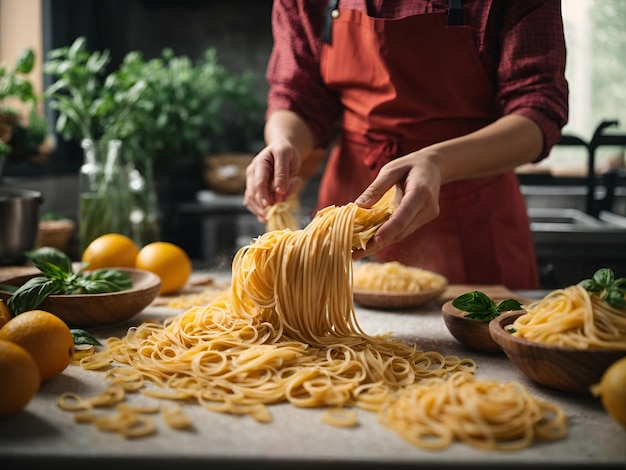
(105,200)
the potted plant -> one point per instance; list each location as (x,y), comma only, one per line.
(20,135)
(164,110)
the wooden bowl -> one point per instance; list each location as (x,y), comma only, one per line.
(392,300)
(89,310)
(472,333)
(566,369)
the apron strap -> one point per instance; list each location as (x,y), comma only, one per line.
(455,12)
(331,9)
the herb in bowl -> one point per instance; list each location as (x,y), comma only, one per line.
(479,306)
(604,285)
(58,277)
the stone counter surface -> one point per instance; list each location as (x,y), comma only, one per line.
(47,437)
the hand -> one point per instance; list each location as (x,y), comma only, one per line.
(272,177)
(418,181)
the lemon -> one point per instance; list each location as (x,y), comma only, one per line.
(45,336)
(111,250)
(168,261)
(612,390)
(5,313)
(19,378)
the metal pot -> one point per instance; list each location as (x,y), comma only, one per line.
(19,223)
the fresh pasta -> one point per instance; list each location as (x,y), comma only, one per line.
(283,215)
(571,317)
(485,414)
(285,331)
(393,276)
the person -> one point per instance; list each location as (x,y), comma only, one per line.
(441,98)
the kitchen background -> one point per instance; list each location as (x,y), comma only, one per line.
(576,198)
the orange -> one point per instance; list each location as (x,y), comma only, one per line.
(45,336)
(168,261)
(5,313)
(19,378)
(111,250)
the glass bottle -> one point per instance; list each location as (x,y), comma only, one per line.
(105,200)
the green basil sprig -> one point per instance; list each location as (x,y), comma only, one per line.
(479,306)
(604,285)
(58,277)
(83,337)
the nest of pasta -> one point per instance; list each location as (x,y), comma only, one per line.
(394,285)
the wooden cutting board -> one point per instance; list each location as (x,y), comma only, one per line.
(493,291)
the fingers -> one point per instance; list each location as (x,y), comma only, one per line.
(417,200)
(271,177)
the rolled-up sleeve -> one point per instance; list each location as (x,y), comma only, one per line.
(531,71)
(293,71)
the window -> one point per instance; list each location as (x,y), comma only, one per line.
(595,35)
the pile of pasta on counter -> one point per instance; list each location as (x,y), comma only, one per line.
(287,331)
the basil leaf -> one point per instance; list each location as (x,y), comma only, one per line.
(615,297)
(8,288)
(30,294)
(508,305)
(590,285)
(604,277)
(474,301)
(83,337)
(477,304)
(105,280)
(606,287)
(52,262)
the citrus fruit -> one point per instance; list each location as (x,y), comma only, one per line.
(612,390)
(111,250)
(5,313)
(168,261)
(45,336)
(19,378)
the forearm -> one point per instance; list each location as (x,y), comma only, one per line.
(499,147)
(287,126)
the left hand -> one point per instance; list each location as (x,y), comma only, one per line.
(418,180)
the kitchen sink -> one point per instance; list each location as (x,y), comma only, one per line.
(571,244)
(551,219)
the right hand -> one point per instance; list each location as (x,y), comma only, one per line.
(272,177)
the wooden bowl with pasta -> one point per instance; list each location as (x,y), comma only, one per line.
(392,285)
(568,369)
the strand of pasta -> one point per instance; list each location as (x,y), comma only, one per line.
(571,317)
(283,215)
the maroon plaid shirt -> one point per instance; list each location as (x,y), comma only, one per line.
(520,43)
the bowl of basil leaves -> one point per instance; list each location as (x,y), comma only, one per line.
(467,318)
(81,298)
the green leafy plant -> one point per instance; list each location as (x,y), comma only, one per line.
(605,286)
(14,82)
(5,149)
(58,277)
(162,109)
(481,307)
(90,104)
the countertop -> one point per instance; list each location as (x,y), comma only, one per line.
(46,436)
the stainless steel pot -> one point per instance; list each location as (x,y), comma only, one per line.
(19,222)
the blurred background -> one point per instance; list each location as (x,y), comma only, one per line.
(576,197)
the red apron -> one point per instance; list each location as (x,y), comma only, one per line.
(405,84)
